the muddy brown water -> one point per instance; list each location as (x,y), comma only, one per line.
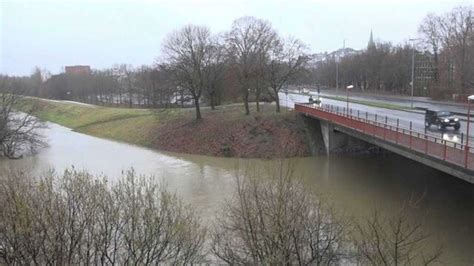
(355,185)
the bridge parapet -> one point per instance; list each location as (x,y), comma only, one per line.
(396,132)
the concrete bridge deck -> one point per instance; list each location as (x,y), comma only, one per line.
(452,157)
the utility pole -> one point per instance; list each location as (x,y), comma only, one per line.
(343,55)
(337,65)
(466,148)
(337,74)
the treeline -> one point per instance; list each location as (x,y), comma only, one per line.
(77,218)
(381,67)
(444,60)
(250,62)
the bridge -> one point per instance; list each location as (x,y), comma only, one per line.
(452,156)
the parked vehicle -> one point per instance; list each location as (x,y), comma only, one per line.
(442,119)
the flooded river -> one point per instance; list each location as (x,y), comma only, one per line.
(354,184)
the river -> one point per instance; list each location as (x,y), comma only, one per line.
(355,185)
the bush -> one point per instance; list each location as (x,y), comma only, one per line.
(80,219)
(276,221)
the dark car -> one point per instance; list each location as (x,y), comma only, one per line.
(315,102)
(442,119)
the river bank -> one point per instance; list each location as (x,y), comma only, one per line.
(224,132)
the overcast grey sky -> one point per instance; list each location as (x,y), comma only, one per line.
(52,34)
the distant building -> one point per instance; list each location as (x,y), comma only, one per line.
(371,44)
(78,70)
(424,67)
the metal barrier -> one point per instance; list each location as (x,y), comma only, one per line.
(395,131)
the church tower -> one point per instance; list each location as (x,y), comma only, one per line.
(371,44)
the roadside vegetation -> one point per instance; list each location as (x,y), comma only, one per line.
(369,103)
(271,218)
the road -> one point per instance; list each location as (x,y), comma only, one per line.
(404,117)
(403,101)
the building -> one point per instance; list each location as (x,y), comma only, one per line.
(371,44)
(78,70)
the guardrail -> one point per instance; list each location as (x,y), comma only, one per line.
(400,132)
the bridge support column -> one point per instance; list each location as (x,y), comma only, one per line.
(334,141)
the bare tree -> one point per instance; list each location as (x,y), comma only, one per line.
(286,59)
(215,72)
(394,240)
(456,30)
(430,31)
(18,130)
(189,52)
(81,219)
(248,43)
(126,82)
(276,221)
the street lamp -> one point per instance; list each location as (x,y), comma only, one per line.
(337,74)
(337,64)
(412,69)
(466,150)
(350,87)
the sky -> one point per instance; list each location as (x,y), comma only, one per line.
(52,34)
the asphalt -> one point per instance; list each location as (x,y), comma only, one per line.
(403,101)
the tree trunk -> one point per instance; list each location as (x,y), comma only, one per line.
(213,105)
(277,100)
(198,109)
(246,102)
(257,99)
(153,94)
(463,69)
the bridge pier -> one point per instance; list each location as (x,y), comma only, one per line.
(333,140)
(337,142)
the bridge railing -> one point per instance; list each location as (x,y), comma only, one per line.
(397,131)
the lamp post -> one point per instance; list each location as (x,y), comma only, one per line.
(412,70)
(347,92)
(466,150)
(337,74)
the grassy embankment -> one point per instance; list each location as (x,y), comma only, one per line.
(369,103)
(226,131)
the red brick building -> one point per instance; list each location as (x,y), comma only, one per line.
(78,70)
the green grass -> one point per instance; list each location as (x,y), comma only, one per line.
(369,103)
(76,115)
(135,130)
(135,126)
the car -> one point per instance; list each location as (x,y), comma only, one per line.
(442,119)
(305,91)
(314,102)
